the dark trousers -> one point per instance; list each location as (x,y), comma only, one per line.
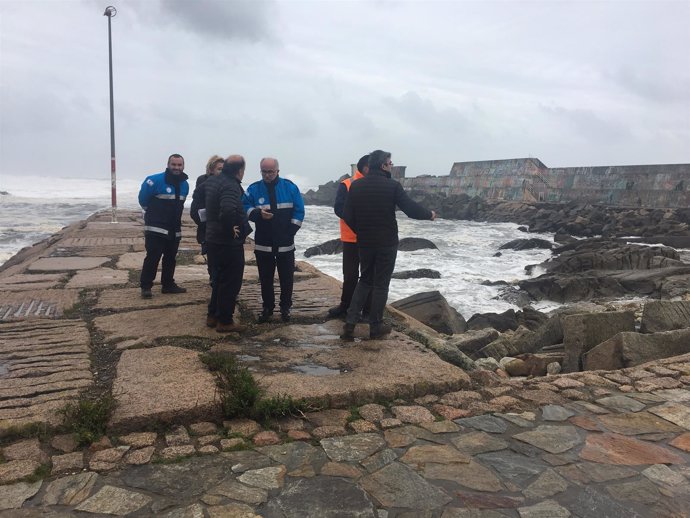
(351,275)
(157,246)
(227,266)
(377,267)
(266,263)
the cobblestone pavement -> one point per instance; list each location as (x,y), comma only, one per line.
(595,444)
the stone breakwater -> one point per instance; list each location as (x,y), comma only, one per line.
(401,432)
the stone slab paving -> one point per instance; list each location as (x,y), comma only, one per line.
(455,471)
(63,264)
(43,365)
(161,384)
(98,277)
(130,299)
(21,305)
(25,282)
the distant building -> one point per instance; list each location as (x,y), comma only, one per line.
(529,180)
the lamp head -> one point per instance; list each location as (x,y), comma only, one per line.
(110,11)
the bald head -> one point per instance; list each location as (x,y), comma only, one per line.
(234,166)
(269,169)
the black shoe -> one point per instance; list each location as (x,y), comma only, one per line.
(146,293)
(173,288)
(379,331)
(337,311)
(348,333)
(265,316)
(285,315)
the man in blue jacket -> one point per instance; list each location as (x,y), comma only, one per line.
(276,207)
(162,197)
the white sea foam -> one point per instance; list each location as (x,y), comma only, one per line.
(465,258)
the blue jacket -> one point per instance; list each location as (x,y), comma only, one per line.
(283,199)
(162,196)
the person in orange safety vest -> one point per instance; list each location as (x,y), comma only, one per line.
(349,241)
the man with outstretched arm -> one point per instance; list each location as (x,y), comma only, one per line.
(370,212)
(276,207)
(162,197)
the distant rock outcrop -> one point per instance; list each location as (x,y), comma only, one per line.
(324,194)
(420,273)
(410,244)
(334,246)
(527,244)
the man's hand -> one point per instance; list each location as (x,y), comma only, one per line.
(433,215)
(236,231)
(266,214)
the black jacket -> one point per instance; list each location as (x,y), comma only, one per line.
(224,210)
(370,209)
(199,202)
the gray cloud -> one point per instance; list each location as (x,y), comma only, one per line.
(654,86)
(573,83)
(248,20)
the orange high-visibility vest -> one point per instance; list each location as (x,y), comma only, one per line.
(348,235)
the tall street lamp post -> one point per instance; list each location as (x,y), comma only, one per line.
(110,11)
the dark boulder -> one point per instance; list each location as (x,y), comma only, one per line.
(409,244)
(420,273)
(470,342)
(630,349)
(334,246)
(506,321)
(582,332)
(432,308)
(527,244)
(665,315)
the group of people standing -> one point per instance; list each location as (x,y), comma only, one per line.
(222,210)
(366,204)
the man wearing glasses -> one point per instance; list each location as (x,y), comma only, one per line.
(276,207)
(370,212)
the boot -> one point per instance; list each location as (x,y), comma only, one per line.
(265,316)
(211,321)
(379,331)
(173,288)
(348,333)
(337,311)
(230,328)
(146,293)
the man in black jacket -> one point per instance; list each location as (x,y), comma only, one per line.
(370,212)
(226,230)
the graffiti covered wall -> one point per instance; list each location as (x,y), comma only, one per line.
(529,180)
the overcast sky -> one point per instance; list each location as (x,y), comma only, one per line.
(317,84)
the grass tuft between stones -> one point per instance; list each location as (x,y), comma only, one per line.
(87,419)
(241,395)
(41,431)
(39,473)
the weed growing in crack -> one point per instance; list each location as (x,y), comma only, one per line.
(240,394)
(87,419)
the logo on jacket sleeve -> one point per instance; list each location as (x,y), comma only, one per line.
(149,182)
(168,190)
(261,200)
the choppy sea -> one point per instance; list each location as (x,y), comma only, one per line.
(37,207)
